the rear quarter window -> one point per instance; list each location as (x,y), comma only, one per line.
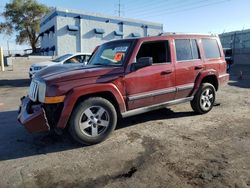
(211,48)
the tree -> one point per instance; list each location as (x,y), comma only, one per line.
(23,16)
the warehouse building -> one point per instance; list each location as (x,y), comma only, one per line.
(239,42)
(63,31)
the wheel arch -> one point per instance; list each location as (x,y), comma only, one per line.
(108,91)
(104,94)
(209,76)
(211,79)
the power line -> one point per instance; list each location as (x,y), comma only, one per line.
(184,9)
(183,4)
(161,4)
(147,5)
(200,6)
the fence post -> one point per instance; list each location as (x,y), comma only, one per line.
(1,59)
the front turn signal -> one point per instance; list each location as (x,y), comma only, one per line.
(53,100)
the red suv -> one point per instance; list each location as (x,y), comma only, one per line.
(124,78)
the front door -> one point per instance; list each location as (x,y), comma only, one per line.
(154,84)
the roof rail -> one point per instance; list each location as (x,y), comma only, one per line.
(178,33)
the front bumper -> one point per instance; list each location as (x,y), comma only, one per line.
(32,116)
(30,75)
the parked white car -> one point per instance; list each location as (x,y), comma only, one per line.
(65,59)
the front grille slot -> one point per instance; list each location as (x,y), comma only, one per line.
(33,90)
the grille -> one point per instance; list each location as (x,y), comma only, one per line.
(33,91)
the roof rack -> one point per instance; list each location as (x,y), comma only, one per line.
(178,33)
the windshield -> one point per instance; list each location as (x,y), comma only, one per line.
(113,53)
(61,58)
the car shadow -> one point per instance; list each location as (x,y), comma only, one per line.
(161,114)
(15,83)
(16,142)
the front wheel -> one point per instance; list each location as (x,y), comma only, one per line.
(204,99)
(93,120)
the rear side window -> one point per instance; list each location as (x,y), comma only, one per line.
(186,49)
(158,50)
(183,49)
(211,48)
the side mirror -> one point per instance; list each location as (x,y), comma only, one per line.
(142,62)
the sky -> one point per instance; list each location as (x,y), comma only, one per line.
(195,16)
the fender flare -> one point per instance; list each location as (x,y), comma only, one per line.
(201,76)
(78,92)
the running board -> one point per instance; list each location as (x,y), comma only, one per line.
(155,107)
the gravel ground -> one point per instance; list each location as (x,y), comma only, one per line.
(165,148)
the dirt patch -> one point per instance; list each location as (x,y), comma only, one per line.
(133,136)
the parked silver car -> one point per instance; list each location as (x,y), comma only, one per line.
(65,59)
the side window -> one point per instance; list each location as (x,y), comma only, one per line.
(195,51)
(183,49)
(74,59)
(87,58)
(211,48)
(158,50)
(81,58)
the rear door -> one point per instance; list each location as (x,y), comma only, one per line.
(213,57)
(153,84)
(188,65)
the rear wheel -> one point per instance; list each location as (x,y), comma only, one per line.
(93,120)
(204,99)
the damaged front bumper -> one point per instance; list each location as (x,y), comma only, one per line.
(32,116)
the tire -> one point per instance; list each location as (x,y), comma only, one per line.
(204,99)
(92,121)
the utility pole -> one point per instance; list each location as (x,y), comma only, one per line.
(119,8)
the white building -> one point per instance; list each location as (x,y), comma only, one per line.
(63,31)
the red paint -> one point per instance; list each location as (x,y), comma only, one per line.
(35,120)
(81,91)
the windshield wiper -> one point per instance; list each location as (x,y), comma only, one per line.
(101,64)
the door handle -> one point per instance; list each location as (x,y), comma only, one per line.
(166,72)
(198,67)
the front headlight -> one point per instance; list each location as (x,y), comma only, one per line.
(41,92)
(46,99)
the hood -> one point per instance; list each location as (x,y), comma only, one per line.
(61,73)
(44,63)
